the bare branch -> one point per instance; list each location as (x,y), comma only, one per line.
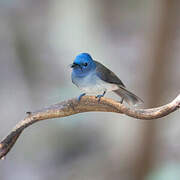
(87,104)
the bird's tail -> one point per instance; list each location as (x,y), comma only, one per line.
(129,97)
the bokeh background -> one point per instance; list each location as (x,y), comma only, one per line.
(138,39)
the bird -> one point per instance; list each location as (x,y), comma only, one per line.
(93,78)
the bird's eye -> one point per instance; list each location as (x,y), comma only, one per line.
(85,64)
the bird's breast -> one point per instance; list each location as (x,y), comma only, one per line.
(84,81)
(92,84)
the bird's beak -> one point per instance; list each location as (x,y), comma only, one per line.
(74,65)
(71,65)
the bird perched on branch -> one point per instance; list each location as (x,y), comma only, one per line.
(94,78)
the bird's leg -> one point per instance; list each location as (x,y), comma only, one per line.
(100,96)
(122,100)
(83,94)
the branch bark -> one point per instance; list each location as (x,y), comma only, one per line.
(87,104)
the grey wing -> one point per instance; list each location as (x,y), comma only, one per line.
(107,75)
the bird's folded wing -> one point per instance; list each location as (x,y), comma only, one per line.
(107,75)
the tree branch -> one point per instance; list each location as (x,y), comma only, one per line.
(87,104)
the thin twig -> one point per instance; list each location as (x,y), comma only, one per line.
(87,104)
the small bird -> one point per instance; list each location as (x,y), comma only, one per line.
(94,78)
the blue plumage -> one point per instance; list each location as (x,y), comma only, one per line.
(94,78)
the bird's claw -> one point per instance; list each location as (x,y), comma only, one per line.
(79,98)
(99,97)
(122,100)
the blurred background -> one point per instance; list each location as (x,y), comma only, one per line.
(138,39)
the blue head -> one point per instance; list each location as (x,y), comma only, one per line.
(83,64)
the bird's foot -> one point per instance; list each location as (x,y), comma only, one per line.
(122,100)
(79,98)
(100,96)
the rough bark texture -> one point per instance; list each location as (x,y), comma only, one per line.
(87,104)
